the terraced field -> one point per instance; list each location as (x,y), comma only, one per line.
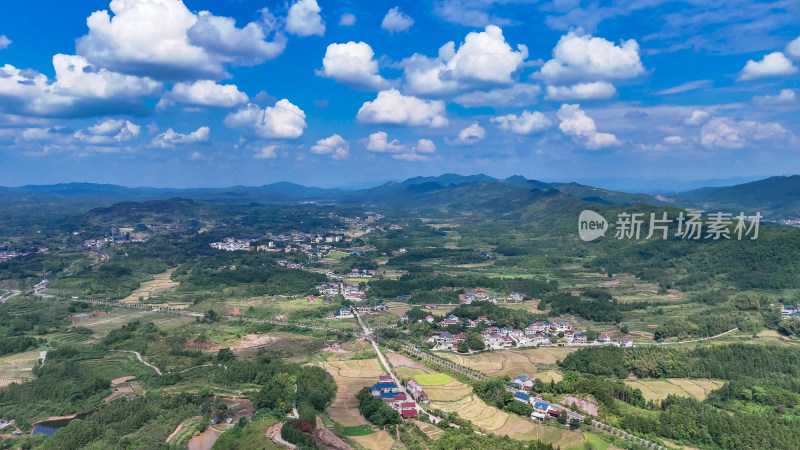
(160,283)
(17,368)
(510,362)
(658,390)
(350,377)
(455,396)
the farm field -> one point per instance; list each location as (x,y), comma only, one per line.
(160,282)
(510,362)
(397,360)
(658,390)
(455,396)
(101,325)
(350,377)
(17,368)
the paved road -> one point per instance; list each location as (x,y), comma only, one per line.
(369,336)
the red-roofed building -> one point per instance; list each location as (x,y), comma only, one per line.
(409,410)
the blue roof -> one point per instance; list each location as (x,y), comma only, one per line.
(522,395)
(384,386)
(451,316)
(580,334)
(521,377)
(388,394)
(542,405)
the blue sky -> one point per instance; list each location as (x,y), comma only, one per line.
(330,93)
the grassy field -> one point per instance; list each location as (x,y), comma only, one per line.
(358,430)
(658,390)
(160,283)
(117,317)
(511,362)
(455,396)
(434,379)
(17,368)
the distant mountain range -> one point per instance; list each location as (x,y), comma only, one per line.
(776,197)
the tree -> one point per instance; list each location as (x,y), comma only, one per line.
(574,424)
(624,329)
(475,341)
(225,355)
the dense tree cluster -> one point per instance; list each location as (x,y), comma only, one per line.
(376,411)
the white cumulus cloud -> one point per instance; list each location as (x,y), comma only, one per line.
(697,117)
(379,142)
(582,128)
(266,152)
(396,21)
(785,96)
(170,138)
(772,65)
(108,131)
(598,90)
(352,64)
(526,123)
(79,89)
(304,19)
(205,93)
(335,146)
(163,39)
(731,134)
(282,121)
(470,135)
(390,106)
(4,42)
(484,58)
(793,49)
(577,57)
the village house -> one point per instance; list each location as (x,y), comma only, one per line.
(523,382)
(625,342)
(384,389)
(604,338)
(516,296)
(343,313)
(450,320)
(431,306)
(579,338)
(522,397)
(569,335)
(560,327)
(540,410)
(415,389)
(409,410)
(361,273)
